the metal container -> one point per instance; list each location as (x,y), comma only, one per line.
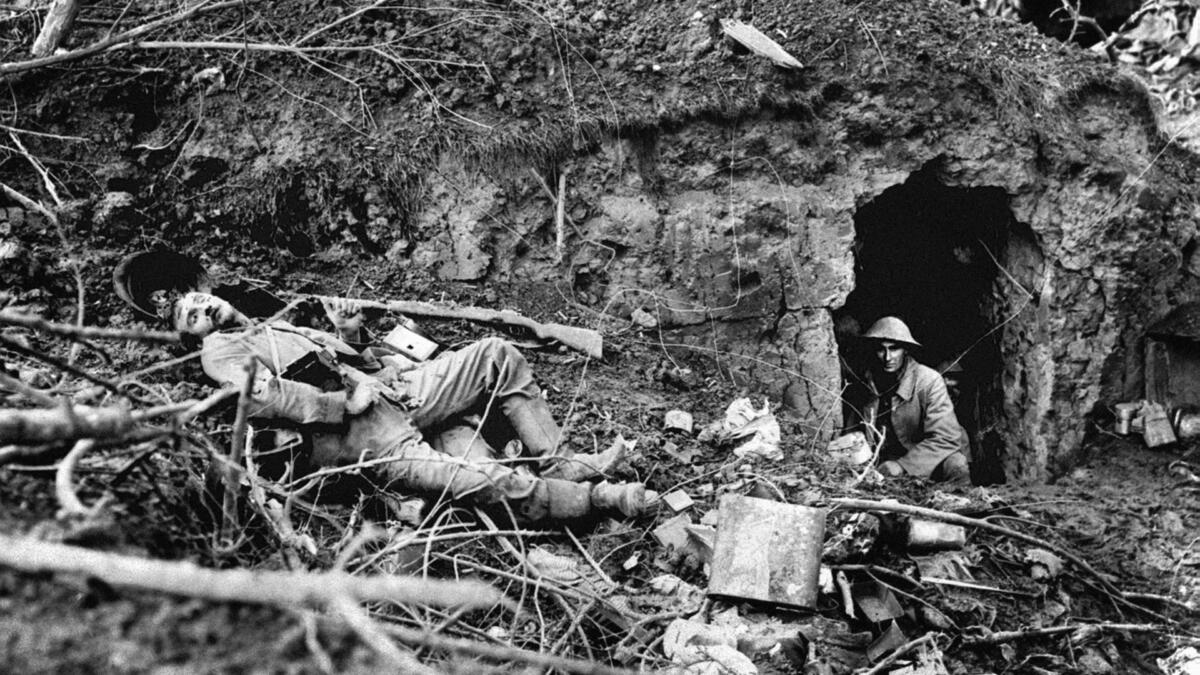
(1125,413)
(932,535)
(767,551)
(1188,425)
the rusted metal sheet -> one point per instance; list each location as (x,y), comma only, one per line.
(767,551)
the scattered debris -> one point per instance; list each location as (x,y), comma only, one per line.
(1043,565)
(643,318)
(927,535)
(888,641)
(678,420)
(673,533)
(753,39)
(1156,429)
(876,601)
(703,649)
(742,420)
(678,501)
(767,551)
(1185,661)
(852,449)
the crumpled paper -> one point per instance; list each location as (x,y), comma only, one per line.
(742,420)
(1185,661)
(703,649)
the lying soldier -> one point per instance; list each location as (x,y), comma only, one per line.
(352,416)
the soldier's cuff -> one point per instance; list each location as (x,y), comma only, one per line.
(331,407)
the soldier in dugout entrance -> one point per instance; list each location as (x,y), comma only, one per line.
(905,406)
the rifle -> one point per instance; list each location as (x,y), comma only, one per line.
(584,340)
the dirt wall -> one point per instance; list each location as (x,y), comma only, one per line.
(708,191)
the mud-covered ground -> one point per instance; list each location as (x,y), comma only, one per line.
(1128,511)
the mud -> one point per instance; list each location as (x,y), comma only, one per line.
(733,202)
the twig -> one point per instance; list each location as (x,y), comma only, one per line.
(40,168)
(57,363)
(1014,635)
(871,34)
(560,213)
(36,395)
(590,560)
(937,581)
(358,619)
(238,442)
(11,318)
(63,488)
(874,458)
(903,649)
(1152,597)
(502,654)
(288,589)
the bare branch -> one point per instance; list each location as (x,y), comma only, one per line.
(12,318)
(288,589)
(60,18)
(121,40)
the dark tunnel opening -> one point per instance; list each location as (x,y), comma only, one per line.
(930,255)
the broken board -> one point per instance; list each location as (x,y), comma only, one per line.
(767,551)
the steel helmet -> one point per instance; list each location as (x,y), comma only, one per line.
(893,329)
(140,275)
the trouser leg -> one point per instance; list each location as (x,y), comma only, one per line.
(484,374)
(954,469)
(491,374)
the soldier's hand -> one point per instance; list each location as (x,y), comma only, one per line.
(364,395)
(345,314)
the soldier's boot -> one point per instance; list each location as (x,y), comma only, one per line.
(579,467)
(630,499)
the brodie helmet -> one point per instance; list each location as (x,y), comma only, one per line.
(893,329)
(146,280)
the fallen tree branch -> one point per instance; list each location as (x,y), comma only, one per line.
(237,444)
(119,40)
(68,423)
(44,425)
(283,589)
(12,345)
(11,318)
(32,393)
(954,518)
(369,632)
(64,488)
(60,18)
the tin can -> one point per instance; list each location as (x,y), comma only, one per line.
(1125,413)
(1189,425)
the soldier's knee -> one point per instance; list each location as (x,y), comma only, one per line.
(955,469)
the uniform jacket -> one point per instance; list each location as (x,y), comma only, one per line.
(923,419)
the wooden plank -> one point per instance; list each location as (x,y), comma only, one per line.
(1157,372)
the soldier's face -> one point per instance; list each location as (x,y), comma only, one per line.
(890,355)
(201,314)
